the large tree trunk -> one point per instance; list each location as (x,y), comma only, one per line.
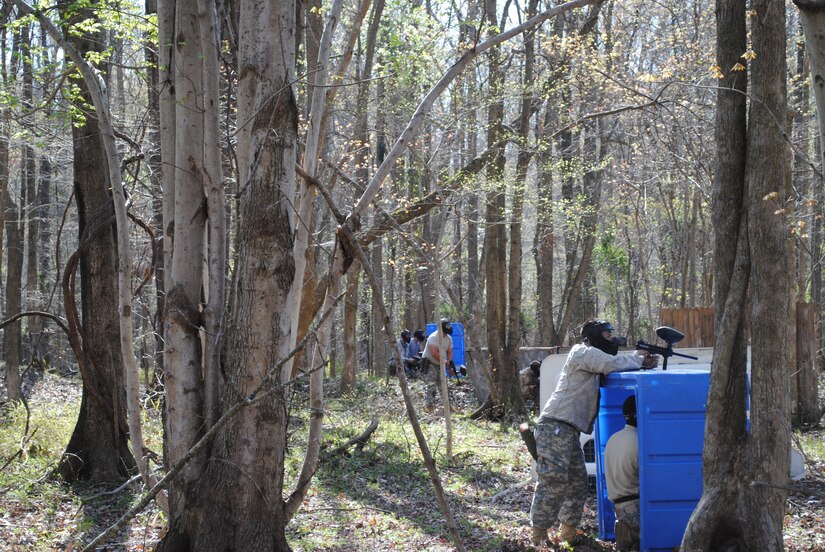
(495,237)
(511,365)
(12,335)
(14,283)
(812,18)
(155,168)
(98,449)
(5,125)
(544,242)
(213,188)
(28,201)
(185,418)
(746,472)
(237,501)
(544,245)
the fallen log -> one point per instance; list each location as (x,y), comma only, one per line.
(358,441)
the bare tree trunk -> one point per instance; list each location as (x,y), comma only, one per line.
(213,183)
(511,355)
(746,472)
(5,125)
(185,417)
(349,334)
(44,213)
(156,175)
(805,407)
(543,246)
(28,200)
(12,335)
(812,18)
(380,353)
(224,511)
(98,449)
(495,235)
(14,283)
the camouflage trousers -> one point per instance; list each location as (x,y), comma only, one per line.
(561,488)
(627,528)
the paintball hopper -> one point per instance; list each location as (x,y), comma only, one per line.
(669,335)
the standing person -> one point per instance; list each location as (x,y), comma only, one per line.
(414,352)
(403,344)
(431,362)
(621,473)
(561,488)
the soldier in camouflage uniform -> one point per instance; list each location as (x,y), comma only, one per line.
(561,488)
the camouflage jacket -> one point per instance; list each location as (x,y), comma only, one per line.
(576,398)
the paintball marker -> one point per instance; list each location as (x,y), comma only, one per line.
(668,335)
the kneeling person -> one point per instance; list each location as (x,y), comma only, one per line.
(621,473)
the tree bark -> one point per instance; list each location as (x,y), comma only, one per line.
(514,281)
(745,471)
(213,184)
(97,92)
(14,283)
(156,175)
(185,418)
(349,334)
(495,235)
(237,501)
(12,336)
(28,200)
(812,19)
(98,449)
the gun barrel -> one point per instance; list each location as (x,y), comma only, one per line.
(685,356)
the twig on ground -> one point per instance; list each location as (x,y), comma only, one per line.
(511,490)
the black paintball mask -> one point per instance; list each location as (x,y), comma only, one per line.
(446,327)
(405,336)
(629,410)
(592,335)
(419,335)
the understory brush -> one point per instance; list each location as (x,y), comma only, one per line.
(372,496)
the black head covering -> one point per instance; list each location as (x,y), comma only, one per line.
(592,335)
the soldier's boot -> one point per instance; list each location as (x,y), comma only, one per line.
(538,536)
(567,532)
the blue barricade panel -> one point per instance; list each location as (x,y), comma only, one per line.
(670,409)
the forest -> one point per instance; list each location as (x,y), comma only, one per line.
(217,217)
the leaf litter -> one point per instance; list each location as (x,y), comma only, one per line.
(378,498)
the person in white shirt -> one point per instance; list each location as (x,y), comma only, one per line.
(431,361)
(621,473)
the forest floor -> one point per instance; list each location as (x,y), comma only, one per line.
(370,499)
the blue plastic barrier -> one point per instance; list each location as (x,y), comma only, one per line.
(670,409)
